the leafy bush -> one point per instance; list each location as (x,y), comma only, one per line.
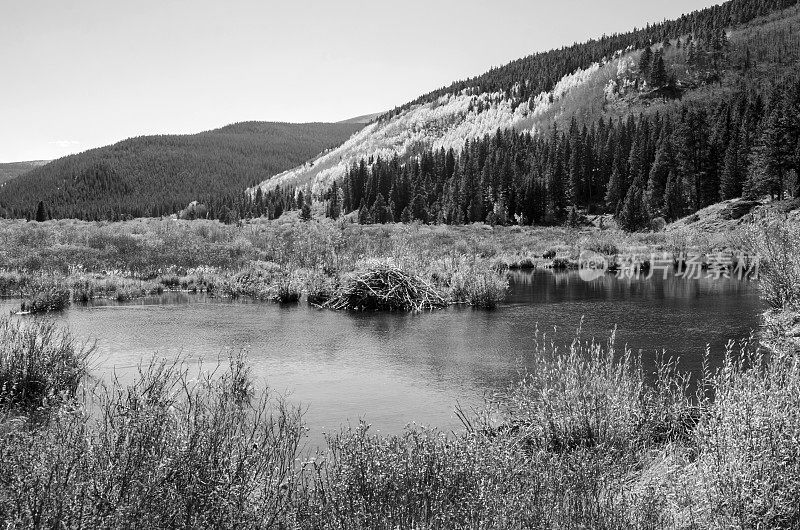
(748,442)
(478,287)
(45,295)
(168,450)
(38,363)
(776,244)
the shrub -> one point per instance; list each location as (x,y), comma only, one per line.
(45,295)
(776,243)
(168,450)
(319,288)
(478,287)
(287,290)
(748,442)
(39,363)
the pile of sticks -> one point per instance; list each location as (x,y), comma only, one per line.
(386,288)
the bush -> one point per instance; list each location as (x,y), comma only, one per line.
(169,450)
(748,442)
(287,290)
(776,244)
(39,364)
(45,295)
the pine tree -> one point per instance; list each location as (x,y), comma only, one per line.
(645,60)
(573,219)
(657,181)
(772,157)
(41,212)
(379,213)
(405,216)
(633,216)
(658,72)
(733,174)
(615,191)
(364,214)
(335,202)
(673,197)
(419,209)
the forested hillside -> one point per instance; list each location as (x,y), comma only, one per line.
(682,115)
(157,175)
(11,170)
(648,125)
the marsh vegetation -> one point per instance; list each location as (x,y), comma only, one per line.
(585,439)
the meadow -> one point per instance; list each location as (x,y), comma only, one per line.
(54,263)
(584,440)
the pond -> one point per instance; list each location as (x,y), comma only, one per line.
(391,369)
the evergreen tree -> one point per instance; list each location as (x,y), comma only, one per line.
(657,181)
(380,212)
(335,202)
(615,192)
(733,172)
(633,216)
(673,197)
(405,216)
(419,209)
(41,212)
(658,72)
(645,60)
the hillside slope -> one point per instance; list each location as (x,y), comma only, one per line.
(11,170)
(658,129)
(156,175)
(587,82)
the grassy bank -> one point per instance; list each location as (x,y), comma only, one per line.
(284,259)
(582,441)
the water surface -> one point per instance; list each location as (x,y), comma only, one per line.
(393,369)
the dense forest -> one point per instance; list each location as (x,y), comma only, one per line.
(707,109)
(716,120)
(641,168)
(160,175)
(11,170)
(525,78)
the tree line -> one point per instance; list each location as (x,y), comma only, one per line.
(662,165)
(153,176)
(525,78)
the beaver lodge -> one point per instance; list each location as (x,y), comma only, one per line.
(387,288)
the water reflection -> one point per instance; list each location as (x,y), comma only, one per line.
(392,369)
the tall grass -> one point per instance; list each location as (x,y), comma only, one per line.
(170,450)
(749,442)
(585,439)
(39,364)
(98,256)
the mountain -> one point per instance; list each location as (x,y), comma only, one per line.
(366,118)
(11,170)
(713,95)
(157,175)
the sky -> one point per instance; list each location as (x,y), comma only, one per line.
(78,74)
